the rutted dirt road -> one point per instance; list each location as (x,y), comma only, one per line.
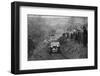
(69,50)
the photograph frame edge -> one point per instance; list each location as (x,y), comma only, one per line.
(15,34)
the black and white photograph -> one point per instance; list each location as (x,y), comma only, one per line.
(52,37)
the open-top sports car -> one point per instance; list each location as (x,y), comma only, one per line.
(54,47)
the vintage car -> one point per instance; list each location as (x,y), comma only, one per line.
(54,47)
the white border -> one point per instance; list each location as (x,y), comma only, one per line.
(26,65)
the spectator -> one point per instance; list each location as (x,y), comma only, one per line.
(30,47)
(62,40)
(85,36)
